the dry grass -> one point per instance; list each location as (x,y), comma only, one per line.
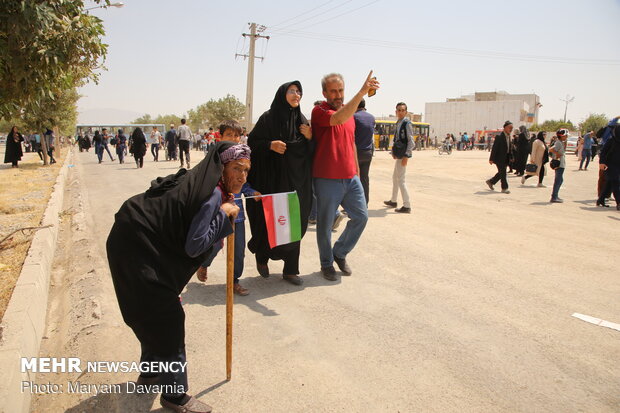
(24,193)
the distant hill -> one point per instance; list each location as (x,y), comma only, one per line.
(107,115)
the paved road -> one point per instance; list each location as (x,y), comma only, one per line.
(463,306)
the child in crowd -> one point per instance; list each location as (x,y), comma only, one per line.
(230,130)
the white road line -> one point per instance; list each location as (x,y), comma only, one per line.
(597,321)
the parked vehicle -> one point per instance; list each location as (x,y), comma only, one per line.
(571,144)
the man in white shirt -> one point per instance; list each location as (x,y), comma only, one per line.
(155,141)
(185,138)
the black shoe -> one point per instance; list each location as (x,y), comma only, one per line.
(602,203)
(390,203)
(556,200)
(293,279)
(263,270)
(342,264)
(329,273)
(488,182)
(403,210)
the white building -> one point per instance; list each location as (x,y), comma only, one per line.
(480,111)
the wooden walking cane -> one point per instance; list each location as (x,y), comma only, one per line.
(230,267)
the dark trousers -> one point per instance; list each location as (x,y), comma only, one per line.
(557,183)
(611,185)
(500,176)
(50,153)
(139,161)
(172,152)
(178,378)
(365,158)
(239,251)
(184,149)
(586,154)
(99,151)
(105,146)
(155,151)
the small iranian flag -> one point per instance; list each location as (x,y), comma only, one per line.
(282,218)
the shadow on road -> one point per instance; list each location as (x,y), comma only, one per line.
(116,402)
(260,288)
(541,203)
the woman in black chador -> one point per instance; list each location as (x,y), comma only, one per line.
(158,241)
(138,146)
(523,150)
(13,152)
(281,162)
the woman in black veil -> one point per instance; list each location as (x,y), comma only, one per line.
(281,162)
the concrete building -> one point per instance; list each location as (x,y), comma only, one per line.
(480,111)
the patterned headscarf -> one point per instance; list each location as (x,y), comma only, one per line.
(235,152)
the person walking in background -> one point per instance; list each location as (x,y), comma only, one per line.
(98,141)
(586,151)
(184,139)
(155,141)
(171,143)
(401,152)
(609,160)
(13,152)
(104,139)
(539,157)
(50,141)
(500,157)
(522,150)
(336,173)
(121,146)
(365,143)
(138,146)
(559,156)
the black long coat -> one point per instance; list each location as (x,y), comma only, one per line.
(13,151)
(500,152)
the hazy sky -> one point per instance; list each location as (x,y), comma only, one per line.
(170,56)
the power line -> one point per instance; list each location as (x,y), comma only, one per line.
(300,14)
(336,16)
(447,50)
(315,16)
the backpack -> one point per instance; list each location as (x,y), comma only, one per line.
(399,147)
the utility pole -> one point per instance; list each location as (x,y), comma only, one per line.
(567,101)
(254,34)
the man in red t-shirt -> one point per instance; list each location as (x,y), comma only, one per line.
(335,172)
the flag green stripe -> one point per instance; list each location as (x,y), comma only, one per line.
(294,217)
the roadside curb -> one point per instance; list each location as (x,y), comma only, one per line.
(23,324)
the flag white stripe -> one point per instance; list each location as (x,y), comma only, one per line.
(281,215)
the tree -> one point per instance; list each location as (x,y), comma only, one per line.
(214,112)
(552,125)
(47,48)
(593,122)
(168,119)
(144,119)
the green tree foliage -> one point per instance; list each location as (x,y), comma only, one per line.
(144,119)
(552,126)
(215,111)
(59,112)
(198,118)
(47,47)
(593,123)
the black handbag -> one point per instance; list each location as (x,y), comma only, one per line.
(531,168)
(554,164)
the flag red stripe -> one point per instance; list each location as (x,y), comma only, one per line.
(270,220)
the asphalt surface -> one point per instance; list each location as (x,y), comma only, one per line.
(462,306)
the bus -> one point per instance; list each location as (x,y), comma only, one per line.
(384,133)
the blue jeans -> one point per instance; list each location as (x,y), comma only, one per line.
(99,152)
(557,183)
(586,155)
(330,193)
(239,251)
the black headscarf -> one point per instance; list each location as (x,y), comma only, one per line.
(541,136)
(284,119)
